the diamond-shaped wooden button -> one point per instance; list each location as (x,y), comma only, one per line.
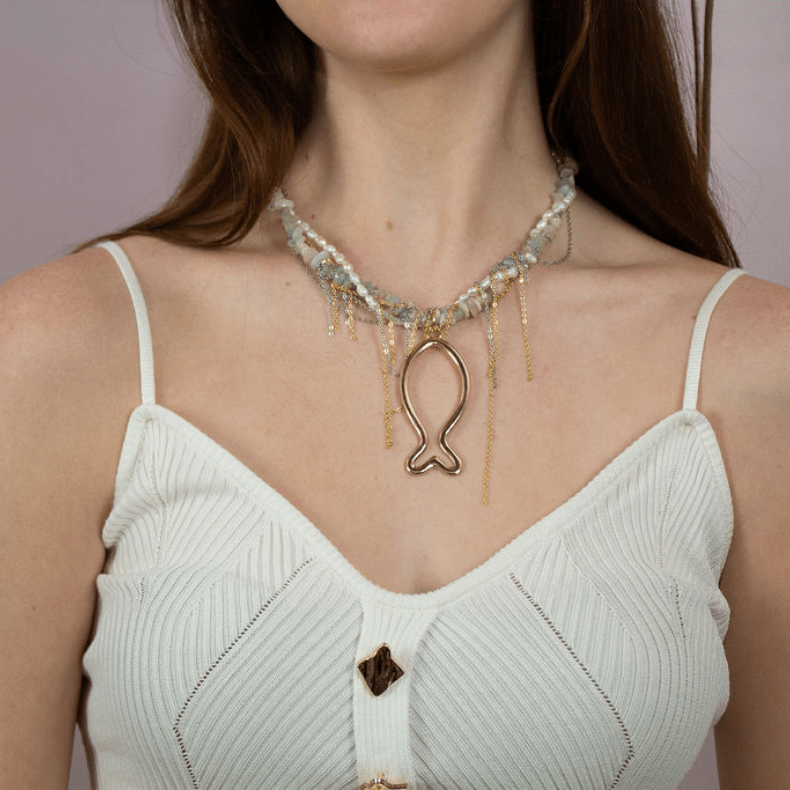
(380,671)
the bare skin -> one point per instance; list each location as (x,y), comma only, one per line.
(241,351)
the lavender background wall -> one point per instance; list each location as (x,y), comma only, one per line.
(98,120)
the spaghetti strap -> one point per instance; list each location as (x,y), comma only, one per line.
(147,383)
(694,367)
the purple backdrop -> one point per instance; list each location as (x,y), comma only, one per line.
(99,120)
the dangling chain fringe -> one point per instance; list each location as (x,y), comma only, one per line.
(412,338)
(350,317)
(333,325)
(391,327)
(522,296)
(388,410)
(493,350)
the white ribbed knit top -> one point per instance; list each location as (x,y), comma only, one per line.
(586,654)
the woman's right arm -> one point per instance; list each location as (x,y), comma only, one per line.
(68,380)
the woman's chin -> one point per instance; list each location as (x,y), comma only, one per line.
(401,36)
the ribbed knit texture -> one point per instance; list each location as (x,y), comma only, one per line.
(586,654)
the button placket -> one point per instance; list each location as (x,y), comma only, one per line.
(388,642)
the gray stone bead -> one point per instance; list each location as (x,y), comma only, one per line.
(341,278)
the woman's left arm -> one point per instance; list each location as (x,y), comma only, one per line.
(750,402)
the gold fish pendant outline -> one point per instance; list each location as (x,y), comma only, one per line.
(434,462)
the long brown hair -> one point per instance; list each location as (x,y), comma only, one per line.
(610,94)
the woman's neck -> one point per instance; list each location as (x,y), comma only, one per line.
(425,178)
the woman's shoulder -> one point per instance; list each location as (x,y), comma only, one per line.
(748,345)
(67,315)
(77,310)
(754,317)
(751,322)
(747,348)
(69,375)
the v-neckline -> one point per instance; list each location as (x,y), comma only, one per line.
(549,526)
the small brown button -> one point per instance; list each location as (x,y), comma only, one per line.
(380,671)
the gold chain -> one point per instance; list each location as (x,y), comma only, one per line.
(388,411)
(333,323)
(391,328)
(412,338)
(350,316)
(523,299)
(492,355)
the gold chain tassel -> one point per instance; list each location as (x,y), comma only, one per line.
(388,412)
(412,338)
(350,316)
(523,299)
(493,350)
(391,327)
(333,310)
(495,331)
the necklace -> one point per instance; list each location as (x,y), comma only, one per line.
(345,290)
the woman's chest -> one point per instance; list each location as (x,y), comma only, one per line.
(585,654)
(315,426)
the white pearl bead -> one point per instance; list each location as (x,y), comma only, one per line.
(362,291)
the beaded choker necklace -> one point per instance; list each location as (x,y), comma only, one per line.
(364,301)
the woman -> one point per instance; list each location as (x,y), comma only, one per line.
(347,623)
